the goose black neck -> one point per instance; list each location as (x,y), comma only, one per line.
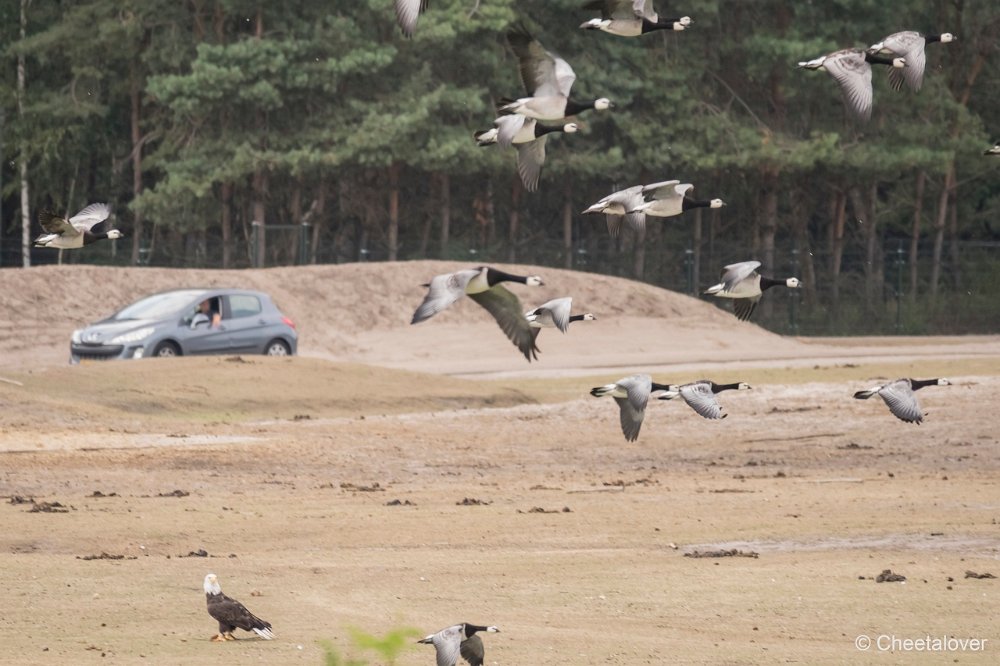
(578,317)
(473,628)
(660,387)
(767,283)
(916,384)
(573,107)
(542,130)
(688,204)
(650,26)
(878,59)
(932,38)
(494,276)
(90,237)
(724,387)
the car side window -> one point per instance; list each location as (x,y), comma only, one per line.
(244,305)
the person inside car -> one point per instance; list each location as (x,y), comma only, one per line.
(205,308)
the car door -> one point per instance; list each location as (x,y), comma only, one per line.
(243,317)
(203,338)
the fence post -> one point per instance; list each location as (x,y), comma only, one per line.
(793,302)
(254,243)
(689,270)
(900,263)
(304,236)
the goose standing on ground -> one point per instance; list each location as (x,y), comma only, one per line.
(483,285)
(84,228)
(632,394)
(995,150)
(908,44)
(616,206)
(852,70)
(548,80)
(231,614)
(528,136)
(670,198)
(631,18)
(459,639)
(900,398)
(700,396)
(407,13)
(745,285)
(555,314)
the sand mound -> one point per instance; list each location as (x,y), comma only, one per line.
(361,312)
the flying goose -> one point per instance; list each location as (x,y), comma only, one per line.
(910,45)
(631,394)
(407,13)
(700,396)
(458,639)
(547,79)
(617,206)
(84,228)
(528,136)
(555,314)
(852,70)
(483,285)
(899,396)
(669,198)
(631,18)
(745,285)
(231,614)
(995,150)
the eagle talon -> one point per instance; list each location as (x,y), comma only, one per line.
(218,638)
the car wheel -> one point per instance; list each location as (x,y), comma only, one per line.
(277,348)
(166,350)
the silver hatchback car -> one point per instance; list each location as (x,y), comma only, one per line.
(189,321)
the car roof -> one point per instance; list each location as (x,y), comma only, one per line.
(213,291)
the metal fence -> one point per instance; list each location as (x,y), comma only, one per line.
(865,298)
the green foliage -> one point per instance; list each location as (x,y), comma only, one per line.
(387,648)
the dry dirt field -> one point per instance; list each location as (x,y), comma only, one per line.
(417,476)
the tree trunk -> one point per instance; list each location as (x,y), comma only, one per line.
(768,230)
(393,235)
(226,223)
(568,225)
(135,97)
(260,176)
(696,252)
(23,161)
(318,221)
(839,214)
(515,218)
(445,215)
(804,246)
(953,247)
(915,234)
(939,226)
(639,254)
(259,212)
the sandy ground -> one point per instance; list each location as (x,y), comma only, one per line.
(521,504)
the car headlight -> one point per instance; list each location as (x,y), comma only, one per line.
(75,338)
(133,336)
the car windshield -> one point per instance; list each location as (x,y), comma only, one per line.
(159,305)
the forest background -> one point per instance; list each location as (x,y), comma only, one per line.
(237,133)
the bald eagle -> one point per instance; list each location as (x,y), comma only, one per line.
(231,613)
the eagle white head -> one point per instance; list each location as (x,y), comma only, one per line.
(212,584)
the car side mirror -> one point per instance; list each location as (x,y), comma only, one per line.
(199,319)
